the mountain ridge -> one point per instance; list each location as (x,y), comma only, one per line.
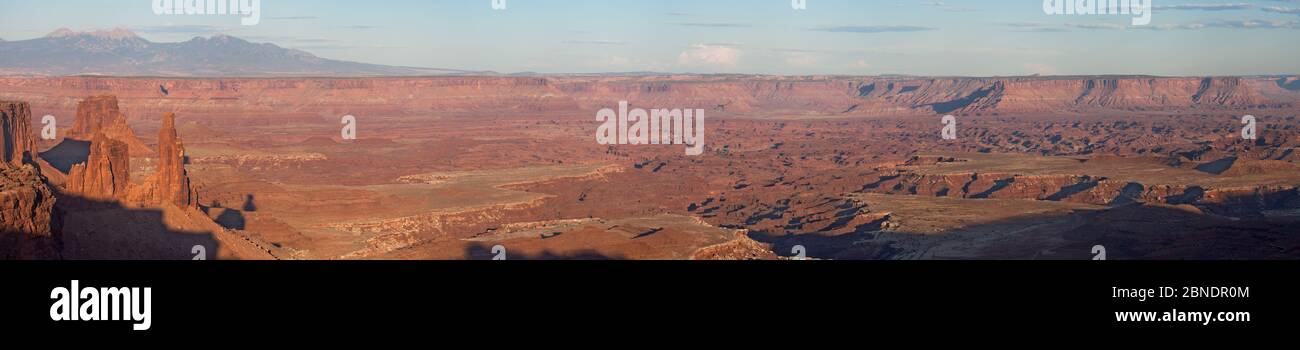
(121,52)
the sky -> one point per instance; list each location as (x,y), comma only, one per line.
(850,37)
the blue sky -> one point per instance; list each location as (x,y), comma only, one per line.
(862,37)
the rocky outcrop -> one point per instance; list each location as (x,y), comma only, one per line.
(106,174)
(740,248)
(171,184)
(26,201)
(15,124)
(101,115)
(26,215)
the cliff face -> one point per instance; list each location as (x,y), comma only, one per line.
(26,202)
(106,173)
(825,95)
(26,211)
(15,125)
(100,115)
(1028,95)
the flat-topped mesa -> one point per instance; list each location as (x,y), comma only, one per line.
(106,174)
(18,147)
(100,114)
(172,183)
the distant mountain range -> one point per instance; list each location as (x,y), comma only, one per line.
(120,52)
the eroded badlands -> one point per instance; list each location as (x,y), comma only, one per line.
(846,167)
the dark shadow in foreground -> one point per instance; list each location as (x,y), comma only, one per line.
(480,251)
(87,229)
(1135,231)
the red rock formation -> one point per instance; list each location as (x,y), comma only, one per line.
(741,248)
(171,183)
(26,209)
(26,202)
(100,114)
(15,125)
(106,174)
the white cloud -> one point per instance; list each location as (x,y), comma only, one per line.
(1040,69)
(703,54)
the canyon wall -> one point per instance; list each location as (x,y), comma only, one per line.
(26,201)
(26,215)
(830,95)
(15,126)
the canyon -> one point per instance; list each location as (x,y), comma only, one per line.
(837,167)
(801,96)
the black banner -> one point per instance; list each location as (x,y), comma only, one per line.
(199,298)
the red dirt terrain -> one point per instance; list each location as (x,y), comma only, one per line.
(509,167)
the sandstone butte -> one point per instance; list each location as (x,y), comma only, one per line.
(101,115)
(105,175)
